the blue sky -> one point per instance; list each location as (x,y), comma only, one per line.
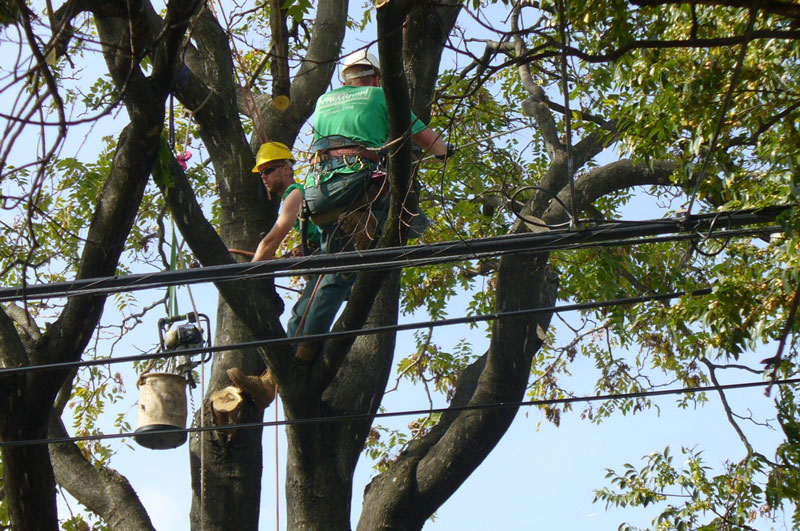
(539,476)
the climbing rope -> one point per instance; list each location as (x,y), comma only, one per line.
(277,468)
(724,108)
(567,112)
(202,415)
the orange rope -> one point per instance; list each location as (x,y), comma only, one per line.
(308,306)
(241,252)
(277,469)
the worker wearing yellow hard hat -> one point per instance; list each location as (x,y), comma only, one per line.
(275,165)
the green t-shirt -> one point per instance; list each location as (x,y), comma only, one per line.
(313,231)
(359,113)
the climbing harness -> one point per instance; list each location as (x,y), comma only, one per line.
(349,201)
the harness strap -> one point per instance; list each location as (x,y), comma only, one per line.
(333,142)
(304,229)
(375,188)
(358,151)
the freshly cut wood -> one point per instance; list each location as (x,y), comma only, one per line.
(225,405)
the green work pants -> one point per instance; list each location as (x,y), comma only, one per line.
(333,288)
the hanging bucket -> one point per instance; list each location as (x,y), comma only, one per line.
(162,406)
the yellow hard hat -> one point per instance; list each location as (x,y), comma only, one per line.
(269,152)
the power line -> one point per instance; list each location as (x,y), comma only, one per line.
(416,412)
(359,332)
(395,257)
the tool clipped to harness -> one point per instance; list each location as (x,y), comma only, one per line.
(304,214)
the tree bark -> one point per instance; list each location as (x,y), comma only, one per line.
(28,473)
(322,456)
(102,490)
(432,468)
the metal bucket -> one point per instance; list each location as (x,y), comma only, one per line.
(162,406)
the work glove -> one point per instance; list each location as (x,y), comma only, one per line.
(450,150)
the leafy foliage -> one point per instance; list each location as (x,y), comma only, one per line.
(689,496)
(649,84)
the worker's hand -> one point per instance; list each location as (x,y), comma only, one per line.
(450,150)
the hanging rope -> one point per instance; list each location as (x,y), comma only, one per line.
(277,468)
(567,112)
(724,109)
(202,395)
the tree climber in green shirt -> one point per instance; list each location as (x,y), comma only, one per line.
(351,123)
(274,163)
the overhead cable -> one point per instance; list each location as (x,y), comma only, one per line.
(355,417)
(396,257)
(360,332)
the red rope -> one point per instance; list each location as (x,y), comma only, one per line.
(277,469)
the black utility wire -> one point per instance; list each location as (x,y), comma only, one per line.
(394,257)
(359,332)
(416,412)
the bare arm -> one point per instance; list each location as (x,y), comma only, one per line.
(289,212)
(431,142)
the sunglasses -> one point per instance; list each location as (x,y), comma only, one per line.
(269,169)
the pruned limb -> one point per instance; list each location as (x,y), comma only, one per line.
(226,405)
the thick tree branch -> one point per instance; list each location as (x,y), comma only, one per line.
(25,321)
(606,179)
(27,470)
(432,468)
(390,19)
(425,32)
(311,80)
(102,490)
(774,7)
(536,106)
(12,349)
(121,194)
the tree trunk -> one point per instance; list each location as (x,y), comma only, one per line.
(323,456)
(226,471)
(27,473)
